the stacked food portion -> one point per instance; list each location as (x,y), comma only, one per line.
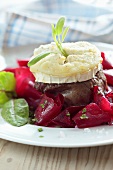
(64,85)
(73,76)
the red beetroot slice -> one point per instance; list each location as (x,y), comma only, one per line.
(9,69)
(64,119)
(112,113)
(48,109)
(101,100)
(109,96)
(25,88)
(107,61)
(24,72)
(91,116)
(25,82)
(22,62)
(109,76)
(33,103)
(104,104)
(97,94)
(110,88)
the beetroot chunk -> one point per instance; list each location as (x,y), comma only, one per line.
(109,96)
(23,62)
(64,119)
(109,76)
(107,61)
(24,72)
(91,116)
(48,109)
(104,104)
(24,78)
(9,69)
(101,100)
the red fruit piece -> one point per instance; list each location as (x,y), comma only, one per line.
(112,111)
(8,69)
(107,60)
(110,89)
(109,76)
(48,109)
(64,119)
(33,103)
(25,86)
(97,94)
(25,89)
(24,72)
(101,100)
(24,82)
(22,62)
(104,104)
(109,96)
(91,116)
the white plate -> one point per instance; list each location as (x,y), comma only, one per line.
(60,137)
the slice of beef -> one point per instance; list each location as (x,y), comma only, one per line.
(79,93)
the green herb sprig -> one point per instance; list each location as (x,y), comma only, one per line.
(58,34)
(38,58)
(40,129)
(84,116)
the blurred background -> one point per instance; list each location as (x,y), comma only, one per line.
(24,22)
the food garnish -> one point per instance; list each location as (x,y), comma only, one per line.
(38,58)
(68,114)
(41,136)
(58,34)
(40,129)
(84,110)
(16,112)
(84,116)
(7,86)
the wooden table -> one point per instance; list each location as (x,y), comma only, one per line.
(15,156)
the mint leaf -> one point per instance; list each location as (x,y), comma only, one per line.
(7,86)
(16,112)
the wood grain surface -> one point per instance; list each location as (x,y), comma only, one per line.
(14,156)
